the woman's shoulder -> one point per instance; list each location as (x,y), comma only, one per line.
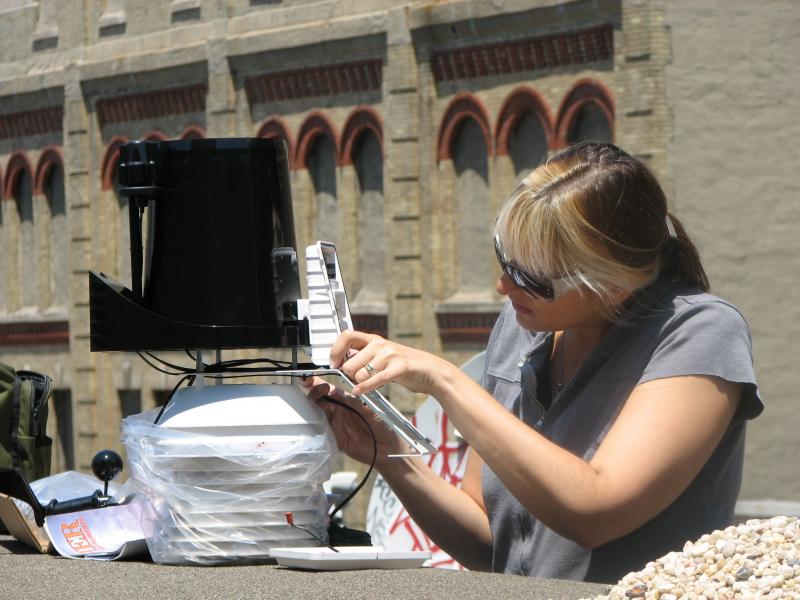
(692,332)
(687,306)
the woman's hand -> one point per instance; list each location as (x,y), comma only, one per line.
(350,431)
(353,352)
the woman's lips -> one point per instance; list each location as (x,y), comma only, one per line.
(521,309)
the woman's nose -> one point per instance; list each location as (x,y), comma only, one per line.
(504,285)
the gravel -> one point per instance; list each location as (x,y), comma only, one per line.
(756,560)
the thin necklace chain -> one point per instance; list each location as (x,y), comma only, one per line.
(562,342)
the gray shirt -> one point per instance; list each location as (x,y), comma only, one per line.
(669,331)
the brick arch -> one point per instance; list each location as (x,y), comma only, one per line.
(51,157)
(155,136)
(110,161)
(463,106)
(316,124)
(583,93)
(18,163)
(362,118)
(521,100)
(276,127)
(193,132)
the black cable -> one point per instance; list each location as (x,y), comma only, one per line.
(172,393)
(226,365)
(171,365)
(156,367)
(191,375)
(357,489)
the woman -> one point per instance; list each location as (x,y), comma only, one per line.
(609,427)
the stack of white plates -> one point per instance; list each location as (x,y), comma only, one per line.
(224,466)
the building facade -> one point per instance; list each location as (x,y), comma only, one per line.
(406,125)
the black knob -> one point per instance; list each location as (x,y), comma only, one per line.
(106,465)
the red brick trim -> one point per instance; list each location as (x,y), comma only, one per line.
(148,105)
(155,136)
(193,132)
(523,99)
(371,323)
(32,333)
(583,92)
(362,117)
(110,161)
(18,163)
(532,54)
(32,122)
(324,80)
(315,124)
(51,156)
(473,327)
(276,127)
(463,106)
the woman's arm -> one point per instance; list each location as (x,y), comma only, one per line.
(454,518)
(663,436)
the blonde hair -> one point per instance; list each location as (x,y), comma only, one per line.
(597,217)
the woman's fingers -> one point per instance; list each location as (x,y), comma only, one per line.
(347,345)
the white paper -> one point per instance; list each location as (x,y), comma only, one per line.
(105,533)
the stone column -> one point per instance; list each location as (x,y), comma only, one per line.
(221,115)
(347,198)
(642,116)
(402,192)
(78,191)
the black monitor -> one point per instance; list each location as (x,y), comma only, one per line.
(216,267)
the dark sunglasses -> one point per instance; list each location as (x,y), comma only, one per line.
(543,289)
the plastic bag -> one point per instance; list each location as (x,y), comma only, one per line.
(222,499)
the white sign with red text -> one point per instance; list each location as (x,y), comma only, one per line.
(388,522)
(101,533)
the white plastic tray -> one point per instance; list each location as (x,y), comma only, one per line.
(348,558)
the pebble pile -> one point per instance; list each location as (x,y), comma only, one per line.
(757,560)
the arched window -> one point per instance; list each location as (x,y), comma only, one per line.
(53,190)
(314,182)
(589,124)
(586,114)
(527,144)
(155,136)
(321,163)
(193,132)
(368,163)
(524,130)
(470,162)
(27,252)
(275,127)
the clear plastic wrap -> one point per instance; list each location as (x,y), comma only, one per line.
(221,499)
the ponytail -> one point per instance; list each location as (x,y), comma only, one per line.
(680,258)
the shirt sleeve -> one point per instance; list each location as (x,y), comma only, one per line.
(707,338)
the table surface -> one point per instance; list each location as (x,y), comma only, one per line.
(32,576)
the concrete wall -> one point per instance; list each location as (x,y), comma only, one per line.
(733,88)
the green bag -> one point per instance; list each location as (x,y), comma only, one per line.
(24,444)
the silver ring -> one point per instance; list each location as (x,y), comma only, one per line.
(370,369)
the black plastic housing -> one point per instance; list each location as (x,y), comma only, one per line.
(215,209)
